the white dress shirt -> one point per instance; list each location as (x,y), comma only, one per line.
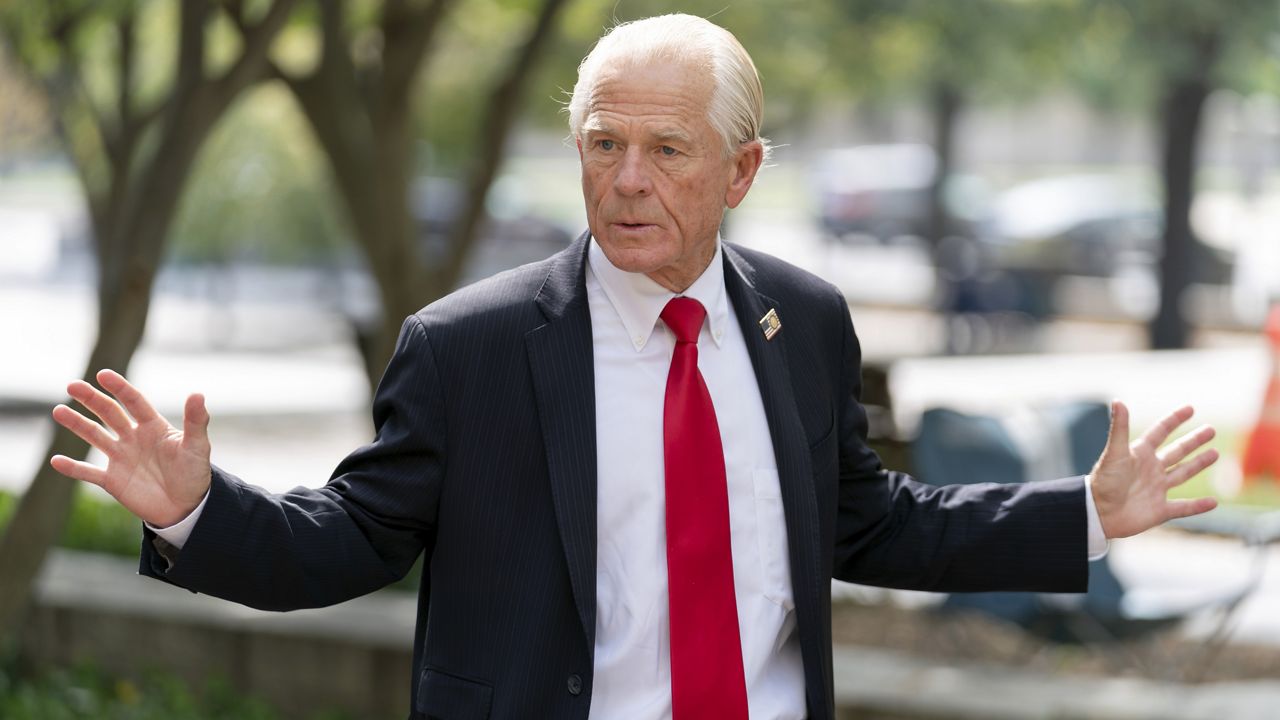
(633,349)
(632,352)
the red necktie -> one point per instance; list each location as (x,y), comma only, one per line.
(706,653)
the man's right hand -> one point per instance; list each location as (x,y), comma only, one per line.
(154,470)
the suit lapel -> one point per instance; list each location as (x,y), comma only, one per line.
(790,447)
(562,364)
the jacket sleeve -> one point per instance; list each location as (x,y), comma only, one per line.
(894,531)
(315,547)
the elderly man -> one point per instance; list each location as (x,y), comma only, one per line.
(634,467)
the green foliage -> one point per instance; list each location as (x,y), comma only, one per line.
(103,526)
(95,526)
(8,502)
(998,48)
(1129,51)
(797,46)
(260,190)
(477,40)
(86,694)
(24,117)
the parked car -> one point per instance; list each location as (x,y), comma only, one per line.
(1090,224)
(881,192)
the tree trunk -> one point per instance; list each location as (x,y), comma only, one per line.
(41,516)
(1181,113)
(367,139)
(133,212)
(504,106)
(946,103)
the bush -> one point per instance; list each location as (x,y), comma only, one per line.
(95,525)
(103,526)
(85,693)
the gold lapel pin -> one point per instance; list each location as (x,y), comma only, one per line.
(770,324)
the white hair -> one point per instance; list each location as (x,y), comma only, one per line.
(736,106)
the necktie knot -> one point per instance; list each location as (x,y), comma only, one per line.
(684,316)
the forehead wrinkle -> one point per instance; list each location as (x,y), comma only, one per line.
(671,133)
(657,102)
(618,89)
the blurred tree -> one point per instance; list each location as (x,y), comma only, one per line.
(1171,55)
(797,46)
(357,91)
(951,51)
(133,138)
(23,115)
(259,192)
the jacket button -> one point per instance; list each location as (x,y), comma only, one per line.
(575,684)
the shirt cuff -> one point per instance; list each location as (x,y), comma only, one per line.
(1098,542)
(177,534)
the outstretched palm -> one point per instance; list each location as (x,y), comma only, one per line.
(154,470)
(1131,482)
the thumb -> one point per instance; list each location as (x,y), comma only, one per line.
(195,422)
(1118,435)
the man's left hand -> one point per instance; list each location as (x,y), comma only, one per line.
(1131,481)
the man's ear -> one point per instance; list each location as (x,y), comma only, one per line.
(746,163)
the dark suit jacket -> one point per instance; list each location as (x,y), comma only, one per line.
(485,458)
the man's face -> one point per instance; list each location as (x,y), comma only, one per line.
(654,172)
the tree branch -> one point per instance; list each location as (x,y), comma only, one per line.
(257,40)
(191,26)
(124,84)
(408,34)
(503,109)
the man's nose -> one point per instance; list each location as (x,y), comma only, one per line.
(633,176)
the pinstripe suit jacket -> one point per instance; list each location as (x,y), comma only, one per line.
(485,459)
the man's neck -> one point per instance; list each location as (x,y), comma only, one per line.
(677,280)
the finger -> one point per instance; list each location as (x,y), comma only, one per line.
(134,401)
(84,428)
(195,422)
(1188,469)
(1118,434)
(79,470)
(1161,431)
(100,404)
(1187,444)
(1187,508)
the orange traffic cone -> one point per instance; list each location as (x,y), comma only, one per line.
(1262,454)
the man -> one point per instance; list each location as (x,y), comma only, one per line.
(634,467)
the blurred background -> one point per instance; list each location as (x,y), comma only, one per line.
(1032,206)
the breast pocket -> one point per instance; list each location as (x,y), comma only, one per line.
(771,536)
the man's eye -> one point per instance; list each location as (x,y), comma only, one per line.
(606,144)
(669,151)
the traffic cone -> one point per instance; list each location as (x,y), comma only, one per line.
(1262,454)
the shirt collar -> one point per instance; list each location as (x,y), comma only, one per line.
(639,300)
